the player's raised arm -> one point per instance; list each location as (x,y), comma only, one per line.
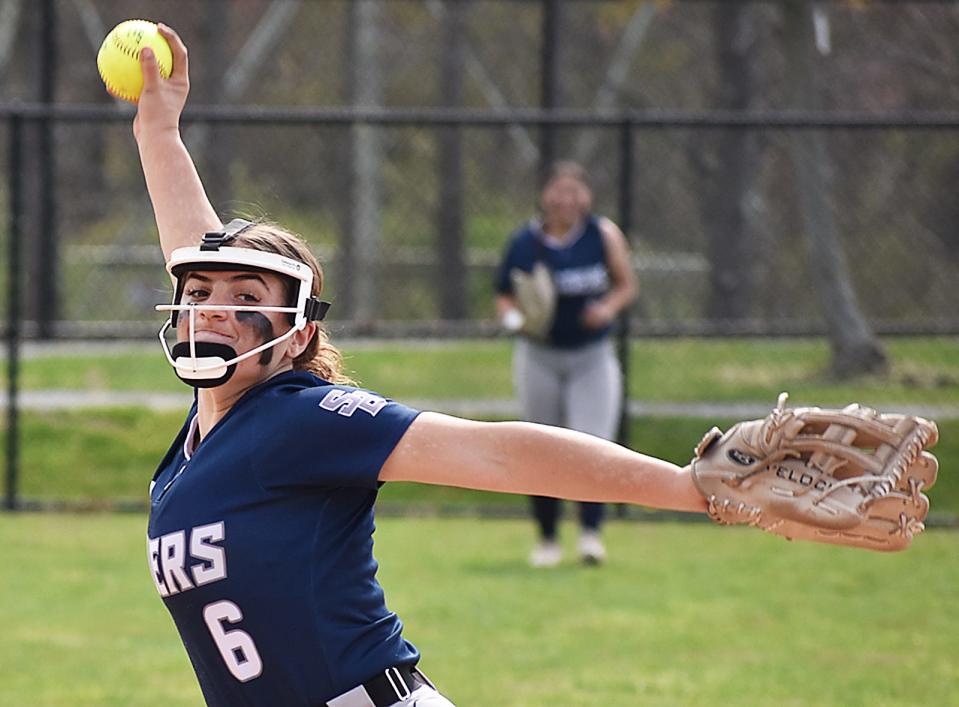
(183,211)
(520,457)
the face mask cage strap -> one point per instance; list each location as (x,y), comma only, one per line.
(215,239)
(315,309)
(307,309)
(191,364)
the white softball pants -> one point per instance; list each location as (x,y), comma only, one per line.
(424,696)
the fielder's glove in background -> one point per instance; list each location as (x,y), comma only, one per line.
(847,477)
(535,295)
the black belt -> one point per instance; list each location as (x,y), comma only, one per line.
(393,685)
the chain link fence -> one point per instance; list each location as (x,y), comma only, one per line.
(404,139)
(713,257)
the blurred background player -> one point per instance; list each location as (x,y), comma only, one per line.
(565,370)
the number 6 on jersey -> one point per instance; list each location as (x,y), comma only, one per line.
(236,646)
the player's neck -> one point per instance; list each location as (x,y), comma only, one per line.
(562,231)
(213,404)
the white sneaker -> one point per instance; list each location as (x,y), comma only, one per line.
(591,548)
(547,553)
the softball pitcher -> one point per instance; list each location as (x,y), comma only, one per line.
(260,531)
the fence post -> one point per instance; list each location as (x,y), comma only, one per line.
(625,211)
(549,83)
(13,316)
(46,253)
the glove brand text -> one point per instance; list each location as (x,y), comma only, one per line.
(802,478)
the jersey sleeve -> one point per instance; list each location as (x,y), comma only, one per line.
(333,436)
(511,259)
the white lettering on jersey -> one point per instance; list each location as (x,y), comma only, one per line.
(346,404)
(173,557)
(169,564)
(153,554)
(236,646)
(167,556)
(215,556)
(589,280)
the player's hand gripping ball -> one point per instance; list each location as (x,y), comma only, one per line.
(119,57)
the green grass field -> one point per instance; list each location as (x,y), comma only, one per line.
(923,371)
(683,614)
(97,456)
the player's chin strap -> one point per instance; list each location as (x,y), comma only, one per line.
(206,364)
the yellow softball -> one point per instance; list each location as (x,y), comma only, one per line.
(119,57)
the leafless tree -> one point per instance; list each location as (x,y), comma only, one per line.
(855,348)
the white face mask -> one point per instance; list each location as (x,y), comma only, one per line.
(205,364)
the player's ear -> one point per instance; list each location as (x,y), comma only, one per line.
(301,339)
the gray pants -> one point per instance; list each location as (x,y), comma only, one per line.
(580,389)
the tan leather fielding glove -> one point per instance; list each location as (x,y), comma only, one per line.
(847,477)
(535,295)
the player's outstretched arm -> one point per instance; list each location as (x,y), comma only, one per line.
(525,458)
(183,211)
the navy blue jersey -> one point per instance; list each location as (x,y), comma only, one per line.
(260,543)
(579,272)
